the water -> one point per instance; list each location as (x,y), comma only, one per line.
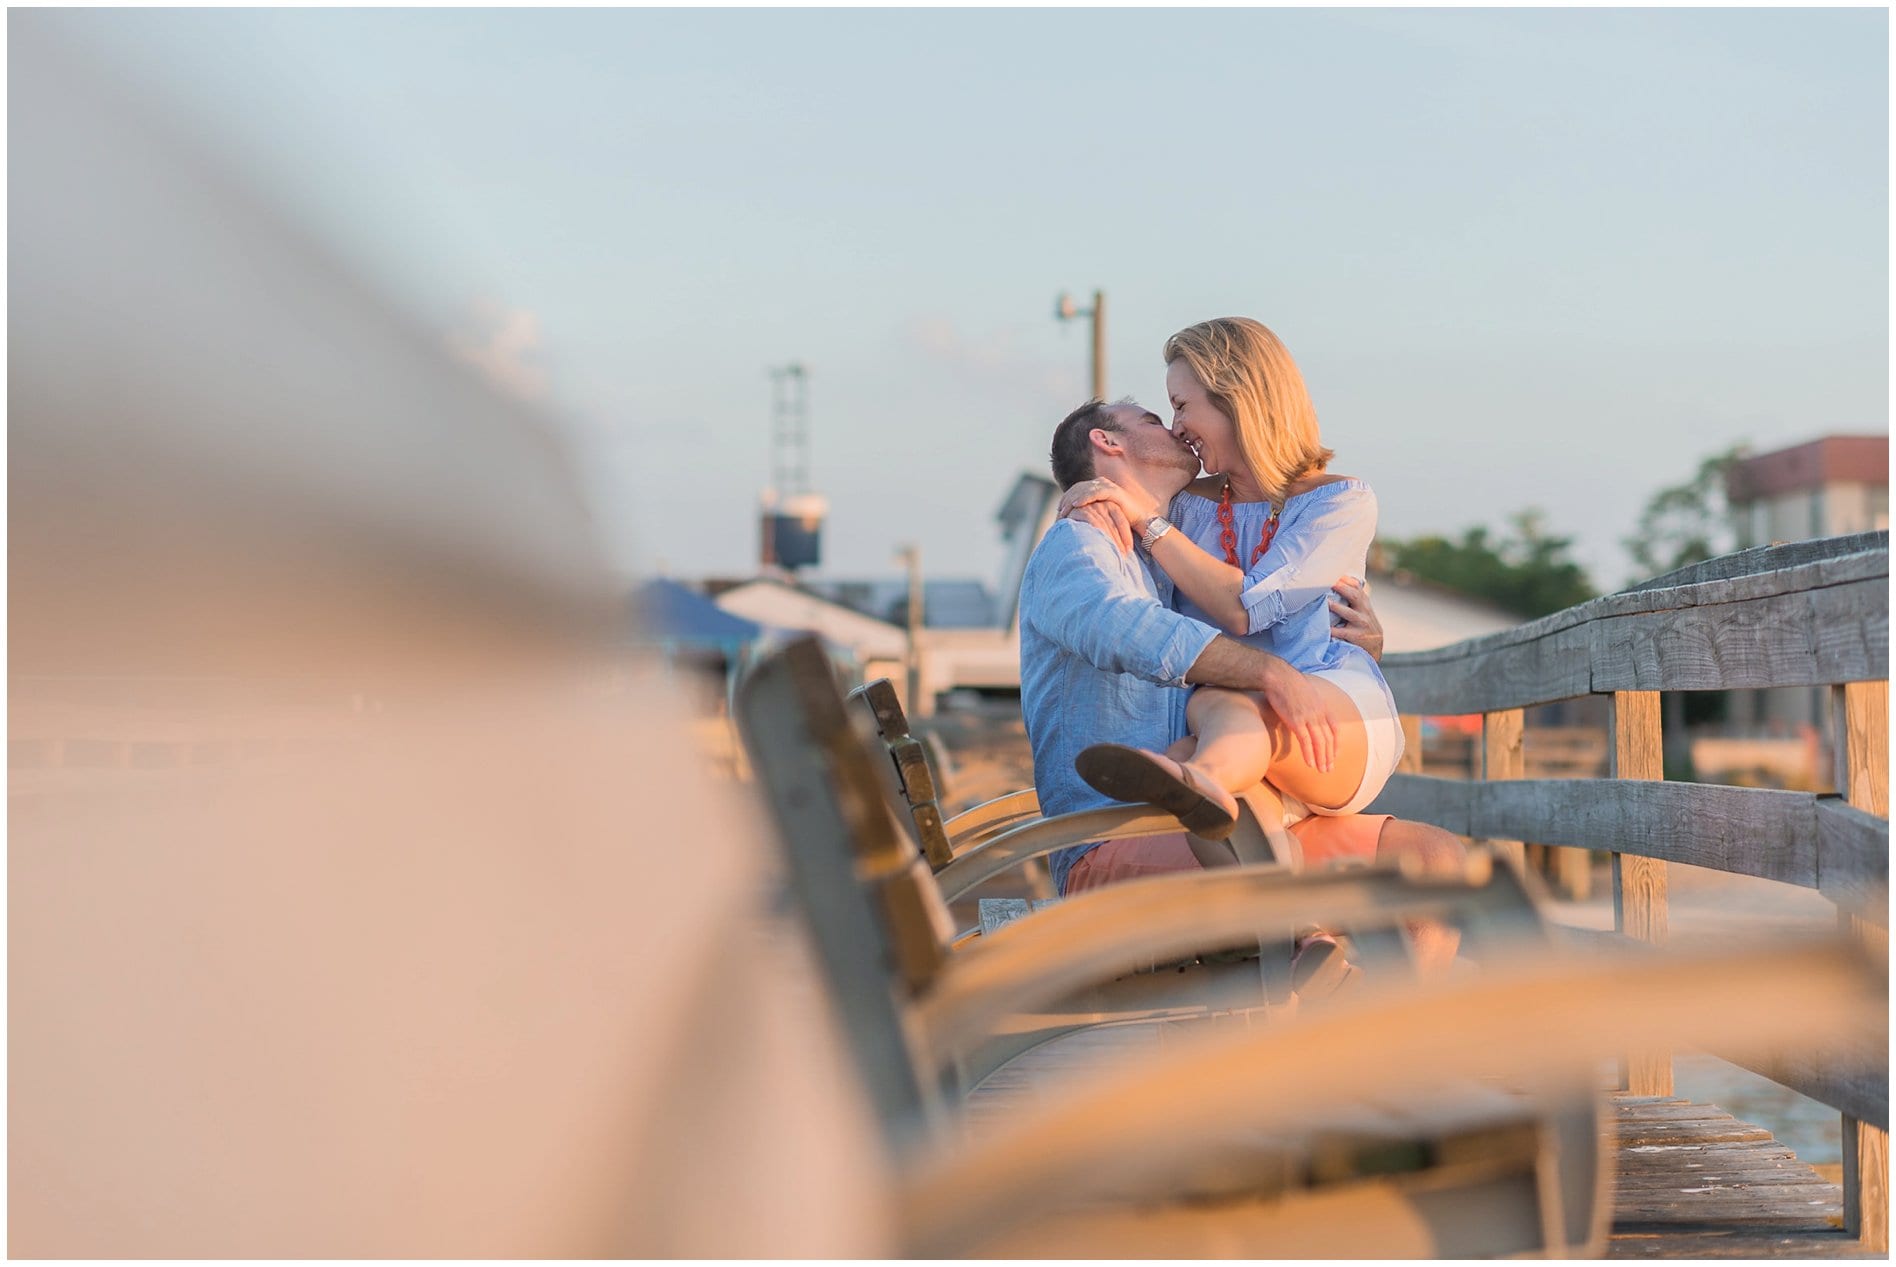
(1812,1130)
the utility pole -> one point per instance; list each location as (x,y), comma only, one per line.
(1066,310)
(912,555)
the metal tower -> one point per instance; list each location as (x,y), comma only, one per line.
(790,431)
(790,518)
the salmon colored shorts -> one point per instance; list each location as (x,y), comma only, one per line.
(1324,839)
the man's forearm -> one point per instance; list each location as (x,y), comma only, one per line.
(1227,662)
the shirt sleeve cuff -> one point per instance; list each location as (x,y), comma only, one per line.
(1182,650)
(1264,603)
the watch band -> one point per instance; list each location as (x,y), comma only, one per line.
(1156,527)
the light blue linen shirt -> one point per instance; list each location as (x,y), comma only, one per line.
(1101,661)
(1322,535)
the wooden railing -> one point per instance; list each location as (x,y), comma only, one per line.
(1812,613)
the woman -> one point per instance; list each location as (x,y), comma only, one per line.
(1253,547)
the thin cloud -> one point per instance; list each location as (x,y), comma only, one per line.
(504,346)
(998,359)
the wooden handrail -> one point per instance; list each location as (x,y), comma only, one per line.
(1816,623)
(1810,613)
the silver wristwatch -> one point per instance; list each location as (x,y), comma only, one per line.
(1156,527)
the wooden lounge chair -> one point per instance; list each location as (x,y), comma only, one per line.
(932,1018)
(939,836)
(1009,831)
(1255,972)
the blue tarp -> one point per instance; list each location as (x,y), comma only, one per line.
(666,611)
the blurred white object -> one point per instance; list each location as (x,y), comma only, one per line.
(349,916)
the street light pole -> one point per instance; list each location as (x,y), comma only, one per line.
(912,555)
(1066,310)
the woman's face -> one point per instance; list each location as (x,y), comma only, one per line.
(1199,422)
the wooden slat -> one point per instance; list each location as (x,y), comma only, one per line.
(1511,674)
(1762,642)
(1792,837)
(1767,558)
(1426,799)
(1747,1196)
(1749,831)
(1802,639)
(1853,859)
(1411,759)
(1502,758)
(1851,624)
(1855,1082)
(1866,1183)
(1862,751)
(1814,623)
(1639,884)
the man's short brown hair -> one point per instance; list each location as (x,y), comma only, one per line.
(1072,453)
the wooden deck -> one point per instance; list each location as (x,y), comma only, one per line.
(1692,1180)
(1695,1182)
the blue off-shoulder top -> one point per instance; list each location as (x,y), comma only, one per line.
(1321,535)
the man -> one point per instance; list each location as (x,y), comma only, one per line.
(1102,659)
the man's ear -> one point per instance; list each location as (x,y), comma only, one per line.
(1106,441)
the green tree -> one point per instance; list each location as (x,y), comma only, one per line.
(1687,523)
(1526,572)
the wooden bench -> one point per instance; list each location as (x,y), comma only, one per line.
(932,1017)
(1009,832)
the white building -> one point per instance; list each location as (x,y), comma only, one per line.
(1828,487)
(1822,488)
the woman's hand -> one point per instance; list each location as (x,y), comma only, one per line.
(1114,510)
(1356,621)
(1134,505)
(1299,707)
(1109,519)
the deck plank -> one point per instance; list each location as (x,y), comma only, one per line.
(1695,1182)
(1692,1182)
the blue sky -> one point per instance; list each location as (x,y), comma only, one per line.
(1525,257)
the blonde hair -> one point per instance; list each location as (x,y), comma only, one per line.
(1249,376)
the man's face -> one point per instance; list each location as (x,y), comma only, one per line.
(1164,462)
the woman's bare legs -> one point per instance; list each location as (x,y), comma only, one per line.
(1241,741)
(1434,942)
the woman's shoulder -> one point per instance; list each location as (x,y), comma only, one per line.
(1323,484)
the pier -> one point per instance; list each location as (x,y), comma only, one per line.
(1692,1179)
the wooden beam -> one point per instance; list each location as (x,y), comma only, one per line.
(1853,860)
(1759,832)
(1506,670)
(1862,752)
(1853,1077)
(1502,758)
(1639,884)
(1824,618)
(1808,638)
(1411,760)
(1771,558)
(1426,799)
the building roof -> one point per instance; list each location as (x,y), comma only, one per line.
(1418,615)
(788,607)
(946,603)
(670,612)
(1857,459)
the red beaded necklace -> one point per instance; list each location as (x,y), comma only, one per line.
(1228,533)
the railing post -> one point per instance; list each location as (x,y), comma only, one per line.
(1411,762)
(1639,884)
(1502,758)
(1861,713)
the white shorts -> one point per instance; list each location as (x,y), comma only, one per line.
(1380,728)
